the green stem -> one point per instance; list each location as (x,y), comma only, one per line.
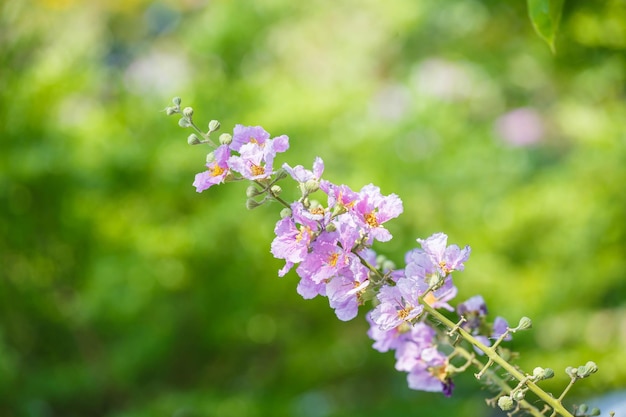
(494,357)
(496,379)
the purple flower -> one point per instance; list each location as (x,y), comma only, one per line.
(344,291)
(256,156)
(398,304)
(302,175)
(340,197)
(474,310)
(293,237)
(330,254)
(374,209)
(420,268)
(248,134)
(446,258)
(216,172)
(430,373)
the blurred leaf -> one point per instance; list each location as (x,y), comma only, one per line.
(545,16)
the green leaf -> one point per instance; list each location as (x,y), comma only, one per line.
(545,16)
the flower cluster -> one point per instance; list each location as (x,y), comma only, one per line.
(330,245)
(249,152)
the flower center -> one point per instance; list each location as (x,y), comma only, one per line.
(370,219)
(257,170)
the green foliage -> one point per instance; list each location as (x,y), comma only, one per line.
(545,16)
(125,293)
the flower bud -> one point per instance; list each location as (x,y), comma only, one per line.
(252,191)
(571,371)
(587,369)
(210,157)
(286,212)
(184,122)
(548,373)
(538,372)
(276,190)
(193,139)
(524,324)
(505,403)
(595,411)
(518,395)
(214,125)
(252,204)
(177,101)
(225,139)
(583,408)
(311,186)
(187,112)
(170,111)
(280,174)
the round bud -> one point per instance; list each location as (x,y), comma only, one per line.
(184,122)
(170,111)
(591,368)
(518,395)
(276,190)
(311,186)
(548,373)
(187,112)
(225,139)
(505,403)
(193,139)
(210,157)
(388,265)
(214,125)
(595,411)
(538,372)
(252,204)
(286,212)
(252,191)
(524,323)
(177,101)
(583,408)
(571,371)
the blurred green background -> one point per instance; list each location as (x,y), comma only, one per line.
(124,293)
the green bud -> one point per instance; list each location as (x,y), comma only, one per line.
(388,265)
(505,403)
(587,369)
(193,139)
(252,204)
(170,111)
(177,101)
(214,125)
(524,324)
(184,122)
(542,373)
(583,408)
(210,157)
(311,186)
(331,227)
(548,373)
(187,112)
(276,190)
(518,395)
(286,212)
(252,191)
(225,139)
(571,371)
(595,411)
(280,174)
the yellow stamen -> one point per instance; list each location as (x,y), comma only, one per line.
(257,170)
(370,218)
